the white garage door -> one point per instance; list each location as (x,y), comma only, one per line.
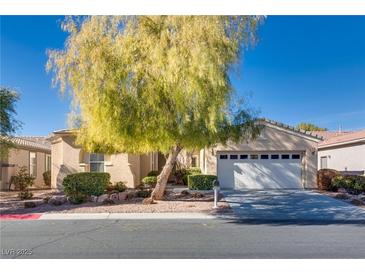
(259,171)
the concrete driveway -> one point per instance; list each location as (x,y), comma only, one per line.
(291,206)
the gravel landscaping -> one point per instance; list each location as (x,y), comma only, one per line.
(173,202)
(357,200)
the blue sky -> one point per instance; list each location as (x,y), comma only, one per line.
(304,68)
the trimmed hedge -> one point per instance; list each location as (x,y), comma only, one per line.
(79,186)
(150,180)
(201,182)
(352,183)
(191,171)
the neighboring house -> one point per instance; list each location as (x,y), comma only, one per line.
(282,157)
(343,151)
(32,152)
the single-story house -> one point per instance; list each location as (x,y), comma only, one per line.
(32,152)
(344,151)
(281,157)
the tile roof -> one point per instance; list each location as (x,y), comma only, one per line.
(291,128)
(265,120)
(349,137)
(37,142)
(329,134)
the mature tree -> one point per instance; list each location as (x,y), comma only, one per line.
(8,123)
(310,127)
(156,83)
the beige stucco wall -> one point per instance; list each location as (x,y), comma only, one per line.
(346,157)
(20,157)
(271,139)
(69,158)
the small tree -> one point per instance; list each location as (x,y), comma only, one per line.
(8,123)
(310,127)
(23,181)
(155,83)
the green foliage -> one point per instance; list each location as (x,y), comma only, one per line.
(22,180)
(150,180)
(190,171)
(201,182)
(181,174)
(170,72)
(24,195)
(310,127)
(77,198)
(47,177)
(153,173)
(352,183)
(194,170)
(79,186)
(8,124)
(120,186)
(143,193)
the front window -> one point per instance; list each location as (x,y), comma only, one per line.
(194,161)
(96,162)
(48,162)
(33,164)
(324,162)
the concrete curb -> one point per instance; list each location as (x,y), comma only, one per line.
(124,216)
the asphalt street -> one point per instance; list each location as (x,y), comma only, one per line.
(198,238)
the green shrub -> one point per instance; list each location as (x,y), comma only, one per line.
(181,174)
(47,178)
(201,181)
(143,193)
(24,195)
(150,180)
(153,173)
(194,170)
(77,198)
(22,181)
(352,183)
(191,171)
(324,178)
(120,186)
(79,186)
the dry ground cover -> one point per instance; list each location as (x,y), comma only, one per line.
(173,202)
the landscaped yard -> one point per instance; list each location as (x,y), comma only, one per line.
(174,201)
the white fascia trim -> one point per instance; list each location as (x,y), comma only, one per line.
(342,143)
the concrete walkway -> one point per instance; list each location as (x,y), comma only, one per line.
(291,206)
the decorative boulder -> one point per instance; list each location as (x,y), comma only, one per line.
(342,190)
(57,200)
(342,196)
(114,197)
(108,201)
(93,198)
(102,198)
(122,196)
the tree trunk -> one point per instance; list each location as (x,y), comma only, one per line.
(159,190)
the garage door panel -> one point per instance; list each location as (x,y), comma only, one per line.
(266,175)
(259,173)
